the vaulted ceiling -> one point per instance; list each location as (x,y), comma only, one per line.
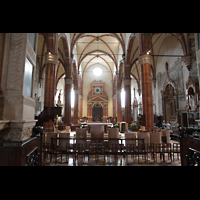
(97,49)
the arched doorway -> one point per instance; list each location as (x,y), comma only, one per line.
(97,113)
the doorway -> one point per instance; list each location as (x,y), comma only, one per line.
(97,113)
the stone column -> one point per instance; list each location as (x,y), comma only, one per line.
(80,106)
(51,60)
(114,108)
(68,86)
(118,92)
(147,100)
(76,91)
(127,89)
(119,108)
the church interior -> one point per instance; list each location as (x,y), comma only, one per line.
(99,99)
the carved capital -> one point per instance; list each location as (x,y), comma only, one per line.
(145,59)
(51,58)
(127,81)
(68,81)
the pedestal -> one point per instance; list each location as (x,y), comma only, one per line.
(19,130)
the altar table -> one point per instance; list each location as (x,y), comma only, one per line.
(99,124)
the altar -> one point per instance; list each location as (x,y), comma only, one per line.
(106,125)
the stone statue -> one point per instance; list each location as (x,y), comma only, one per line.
(59,101)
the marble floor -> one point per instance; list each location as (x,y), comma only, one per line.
(111,161)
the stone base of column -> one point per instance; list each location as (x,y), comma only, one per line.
(18,130)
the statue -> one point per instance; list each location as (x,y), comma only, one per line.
(59,101)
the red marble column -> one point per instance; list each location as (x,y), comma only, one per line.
(68,85)
(147,98)
(118,92)
(51,60)
(114,108)
(127,89)
(49,85)
(80,106)
(119,108)
(76,91)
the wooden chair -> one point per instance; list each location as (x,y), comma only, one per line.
(96,132)
(130,149)
(48,145)
(130,136)
(63,141)
(113,135)
(176,149)
(166,133)
(112,150)
(54,150)
(145,135)
(141,151)
(92,150)
(81,133)
(70,150)
(79,150)
(163,148)
(166,148)
(150,149)
(158,150)
(155,137)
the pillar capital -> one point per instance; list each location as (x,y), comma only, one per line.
(51,58)
(68,81)
(127,81)
(76,90)
(145,59)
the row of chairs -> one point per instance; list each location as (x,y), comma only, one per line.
(116,150)
(112,147)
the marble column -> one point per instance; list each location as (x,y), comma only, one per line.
(114,108)
(80,106)
(118,93)
(68,86)
(76,91)
(147,99)
(119,108)
(127,89)
(51,60)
